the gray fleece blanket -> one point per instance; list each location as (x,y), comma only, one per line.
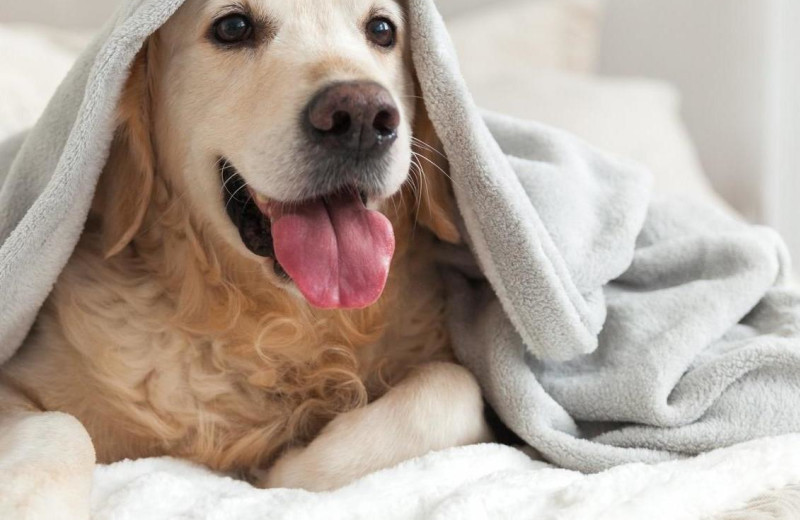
(605,327)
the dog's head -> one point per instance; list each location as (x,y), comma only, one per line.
(286,125)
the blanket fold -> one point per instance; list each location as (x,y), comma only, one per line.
(606,325)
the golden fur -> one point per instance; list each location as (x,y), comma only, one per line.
(164,339)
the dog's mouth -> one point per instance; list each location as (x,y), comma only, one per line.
(335,250)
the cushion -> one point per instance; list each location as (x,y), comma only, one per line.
(554,34)
(540,74)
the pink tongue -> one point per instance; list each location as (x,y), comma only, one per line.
(337,252)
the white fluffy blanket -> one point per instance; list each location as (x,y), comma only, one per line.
(486,481)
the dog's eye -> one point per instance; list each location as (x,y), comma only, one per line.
(233,28)
(381,31)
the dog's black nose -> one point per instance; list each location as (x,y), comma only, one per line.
(356,116)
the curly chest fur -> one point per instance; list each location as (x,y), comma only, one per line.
(209,370)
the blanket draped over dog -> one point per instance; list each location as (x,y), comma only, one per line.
(605,327)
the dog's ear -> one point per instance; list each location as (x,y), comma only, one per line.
(437,208)
(126,184)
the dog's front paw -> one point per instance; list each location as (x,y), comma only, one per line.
(301,468)
(338,456)
(331,461)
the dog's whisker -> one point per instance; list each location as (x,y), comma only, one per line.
(224,167)
(425,187)
(433,163)
(233,195)
(423,150)
(410,182)
(417,184)
(420,174)
(225,187)
(439,168)
(425,146)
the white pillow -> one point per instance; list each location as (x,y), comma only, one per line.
(554,34)
(635,118)
(638,119)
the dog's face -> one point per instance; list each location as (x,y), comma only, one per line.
(287,120)
(283,126)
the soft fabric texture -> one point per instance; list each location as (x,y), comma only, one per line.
(475,482)
(612,329)
(603,327)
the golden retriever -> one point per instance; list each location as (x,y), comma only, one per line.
(255,289)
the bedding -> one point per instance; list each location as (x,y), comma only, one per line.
(564,245)
(475,482)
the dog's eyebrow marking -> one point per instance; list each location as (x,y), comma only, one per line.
(264,26)
(396,16)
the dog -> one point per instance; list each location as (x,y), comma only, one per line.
(255,289)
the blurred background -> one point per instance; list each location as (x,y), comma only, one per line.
(704,92)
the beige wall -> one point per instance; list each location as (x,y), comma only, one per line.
(736,64)
(717,53)
(60,13)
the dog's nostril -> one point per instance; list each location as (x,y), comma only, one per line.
(386,122)
(341,123)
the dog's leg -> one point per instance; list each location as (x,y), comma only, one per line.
(46,463)
(438,406)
